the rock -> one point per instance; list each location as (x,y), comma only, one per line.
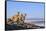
(17,22)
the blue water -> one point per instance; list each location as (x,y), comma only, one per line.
(39,22)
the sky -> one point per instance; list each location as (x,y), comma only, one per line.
(33,10)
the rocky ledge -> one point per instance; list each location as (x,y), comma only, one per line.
(22,26)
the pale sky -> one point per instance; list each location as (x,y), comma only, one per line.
(33,10)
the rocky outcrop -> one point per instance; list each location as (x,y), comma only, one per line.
(17,21)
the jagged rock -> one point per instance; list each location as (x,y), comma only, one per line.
(16,22)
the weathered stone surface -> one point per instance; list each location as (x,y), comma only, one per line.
(17,22)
